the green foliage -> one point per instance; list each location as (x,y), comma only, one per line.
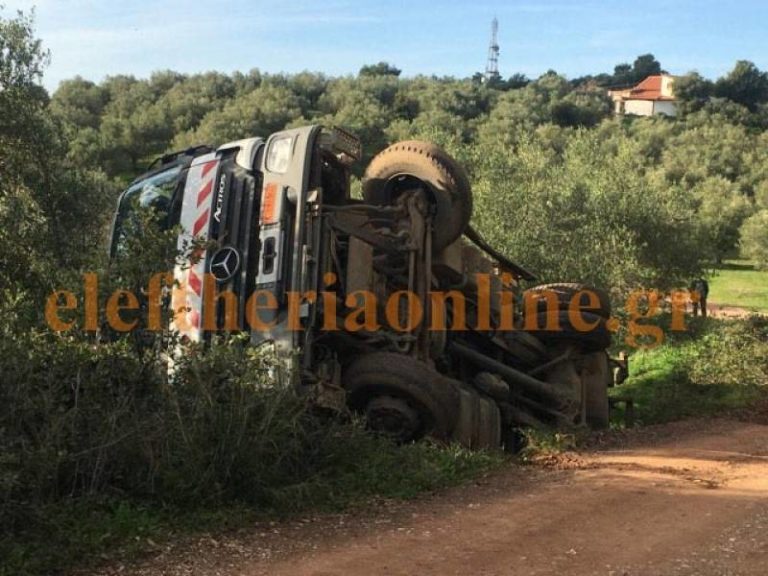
(380,69)
(721,211)
(719,366)
(266,109)
(754,239)
(23,124)
(50,212)
(24,263)
(79,103)
(584,211)
(99,432)
(585,107)
(134,125)
(97,447)
(664,197)
(645,65)
(741,94)
(626,75)
(692,91)
(745,85)
(515,81)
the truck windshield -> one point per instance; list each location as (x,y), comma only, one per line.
(154,194)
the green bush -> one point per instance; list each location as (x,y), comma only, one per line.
(719,366)
(754,239)
(97,446)
(584,211)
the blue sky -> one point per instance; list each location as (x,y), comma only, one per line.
(95,38)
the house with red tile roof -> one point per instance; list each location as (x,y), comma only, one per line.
(654,95)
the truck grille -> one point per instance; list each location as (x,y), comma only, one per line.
(238,228)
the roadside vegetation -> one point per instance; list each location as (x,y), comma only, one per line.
(718,367)
(98,450)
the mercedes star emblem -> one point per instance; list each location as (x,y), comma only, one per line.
(225,263)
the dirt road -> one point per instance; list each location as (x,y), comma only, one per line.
(682,499)
(727,311)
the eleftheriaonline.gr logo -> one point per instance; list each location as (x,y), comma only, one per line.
(361,310)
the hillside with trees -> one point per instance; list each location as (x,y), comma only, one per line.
(538,151)
(561,186)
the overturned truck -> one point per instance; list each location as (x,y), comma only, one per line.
(391,304)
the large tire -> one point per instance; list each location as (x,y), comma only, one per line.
(385,374)
(467,422)
(526,348)
(565,291)
(599,338)
(489,428)
(479,425)
(596,375)
(445,178)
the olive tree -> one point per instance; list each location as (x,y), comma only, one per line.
(754,239)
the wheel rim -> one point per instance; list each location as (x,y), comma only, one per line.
(393,417)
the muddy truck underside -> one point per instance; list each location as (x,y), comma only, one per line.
(391,305)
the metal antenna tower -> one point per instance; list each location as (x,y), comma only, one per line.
(492,66)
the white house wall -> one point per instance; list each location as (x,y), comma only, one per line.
(649,107)
(638,107)
(665,107)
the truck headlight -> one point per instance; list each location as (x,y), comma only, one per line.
(279,155)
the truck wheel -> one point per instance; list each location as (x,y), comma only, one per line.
(465,432)
(401,396)
(565,291)
(393,417)
(489,429)
(446,180)
(599,338)
(595,375)
(479,422)
(526,348)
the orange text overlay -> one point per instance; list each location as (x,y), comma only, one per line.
(401,311)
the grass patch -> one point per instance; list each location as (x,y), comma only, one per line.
(61,534)
(719,366)
(737,283)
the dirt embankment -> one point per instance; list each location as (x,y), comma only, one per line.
(682,499)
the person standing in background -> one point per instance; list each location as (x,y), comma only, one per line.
(699,292)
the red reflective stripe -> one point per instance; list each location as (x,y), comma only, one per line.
(200,223)
(194,319)
(204,193)
(195,284)
(208,167)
